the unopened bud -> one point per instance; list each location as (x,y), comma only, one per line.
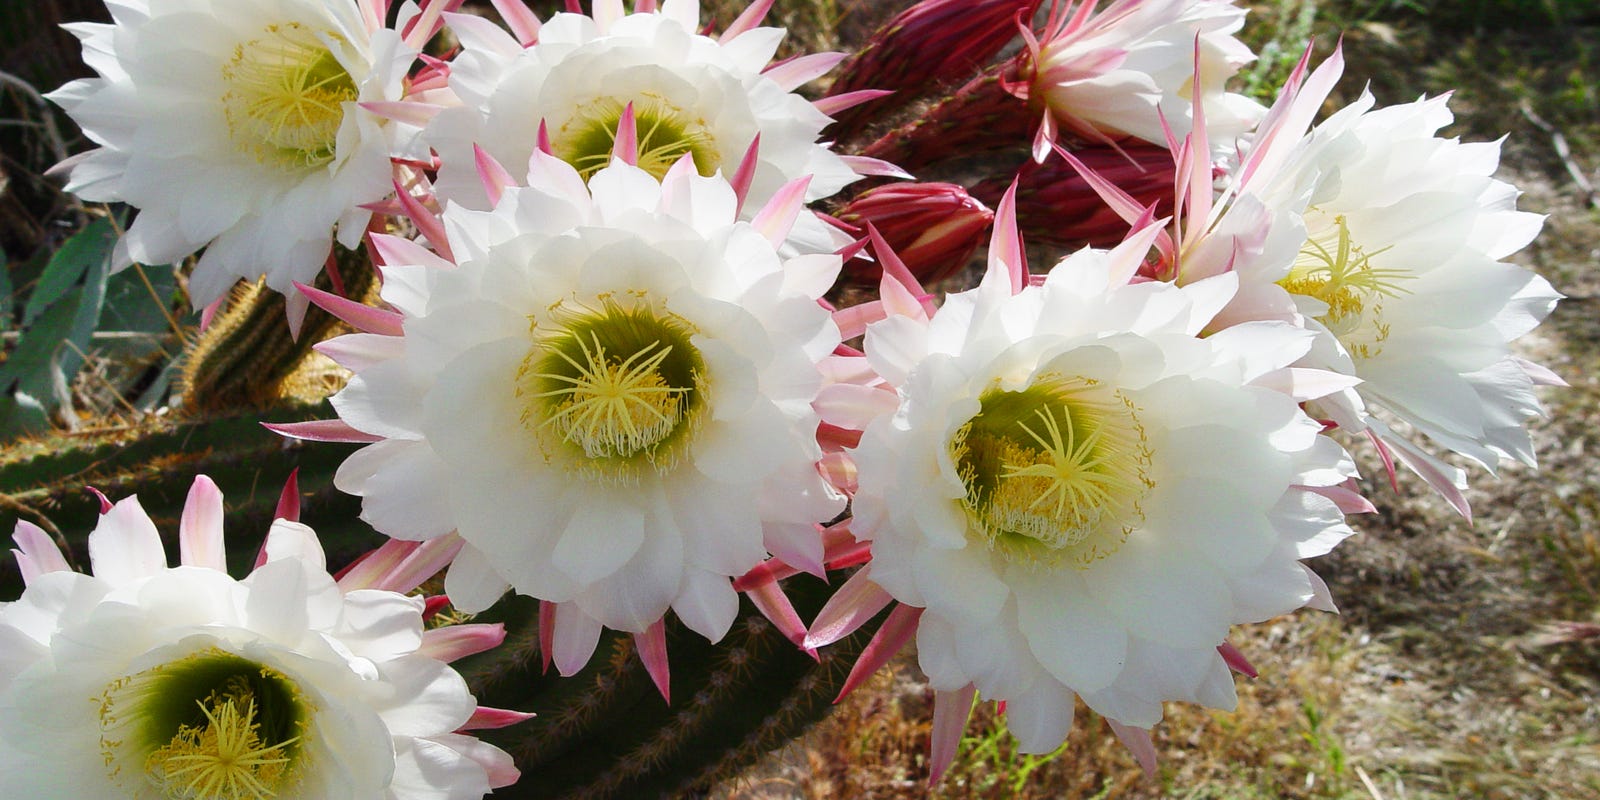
(933,227)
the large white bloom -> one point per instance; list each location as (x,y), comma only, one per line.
(609,398)
(156,683)
(1395,261)
(691,94)
(233,125)
(1124,68)
(1084,495)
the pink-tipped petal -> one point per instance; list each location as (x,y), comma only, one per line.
(796,72)
(459,641)
(777,217)
(399,250)
(400,566)
(1347,498)
(485,718)
(950,712)
(747,20)
(359,315)
(1138,742)
(855,602)
(899,290)
(37,553)
(1236,660)
(494,177)
(652,645)
(1007,261)
(746,172)
(626,146)
(322,430)
(644,6)
(1045,138)
(840,102)
(576,636)
(524,24)
(896,631)
(200,527)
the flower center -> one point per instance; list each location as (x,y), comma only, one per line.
(1055,473)
(211,726)
(618,389)
(1335,270)
(665,134)
(286,96)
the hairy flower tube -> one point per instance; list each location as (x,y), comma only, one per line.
(237,126)
(181,683)
(608,396)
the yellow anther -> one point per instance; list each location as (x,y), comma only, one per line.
(286,96)
(613,408)
(1338,272)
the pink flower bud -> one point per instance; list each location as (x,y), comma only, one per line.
(1058,208)
(929,43)
(933,227)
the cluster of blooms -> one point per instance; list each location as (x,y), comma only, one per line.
(606,372)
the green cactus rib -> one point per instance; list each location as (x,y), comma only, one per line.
(45,481)
(606,732)
(247,355)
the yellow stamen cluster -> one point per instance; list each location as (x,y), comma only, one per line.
(664,134)
(613,391)
(209,726)
(1054,473)
(286,96)
(223,760)
(1335,270)
(613,408)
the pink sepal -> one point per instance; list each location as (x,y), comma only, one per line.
(524,24)
(360,315)
(746,172)
(652,646)
(491,174)
(950,712)
(1236,660)
(840,102)
(1138,742)
(850,607)
(105,502)
(459,641)
(486,718)
(773,604)
(401,566)
(777,217)
(409,112)
(896,630)
(747,20)
(322,430)
(427,222)
(1007,260)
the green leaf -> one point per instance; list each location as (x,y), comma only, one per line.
(86,253)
